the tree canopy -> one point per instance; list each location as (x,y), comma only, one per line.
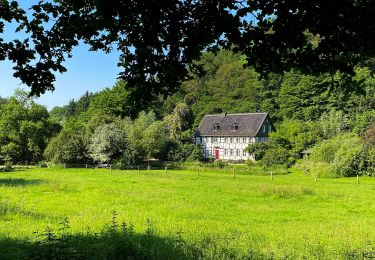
(105,127)
(158,40)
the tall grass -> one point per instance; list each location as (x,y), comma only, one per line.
(242,169)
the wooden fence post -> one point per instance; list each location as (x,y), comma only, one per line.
(234,173)
(166,169)
(148,167)
(198,171)
(357,179)
(86,165)
(315,178)
(64,165)
(110,167)
(271,176)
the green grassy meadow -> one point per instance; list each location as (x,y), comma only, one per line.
(290,216)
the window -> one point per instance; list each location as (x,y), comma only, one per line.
(234,126)
(225,140)
(244,140)
(231,140)
(226,152)
(263,128)
(214,139)
(216,126)
(238,152)
(231,152)
(237,140)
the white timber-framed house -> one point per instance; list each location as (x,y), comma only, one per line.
(225,136)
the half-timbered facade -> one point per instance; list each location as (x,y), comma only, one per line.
(225,136)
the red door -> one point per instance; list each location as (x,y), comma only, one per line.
(217,153)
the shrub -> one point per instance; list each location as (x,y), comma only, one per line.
(258,150)
(362,121)
(251,163)
(342,154)
(369,135)
(8,167)
(180,152)
(11,152)
(322,169)
(347,161)
(67,147)
(369,161)
(275,156)
(42,164)
(325,151)
(196,154)
(130,157)
(220,164)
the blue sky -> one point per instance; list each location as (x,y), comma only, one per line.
(87,70)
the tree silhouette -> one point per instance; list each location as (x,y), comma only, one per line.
(158,40)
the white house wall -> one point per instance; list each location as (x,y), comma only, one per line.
(234,144)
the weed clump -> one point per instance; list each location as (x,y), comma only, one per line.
(286,191)
(8,167)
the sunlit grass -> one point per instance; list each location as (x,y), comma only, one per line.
(291,215)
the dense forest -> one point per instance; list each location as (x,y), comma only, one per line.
(328,119)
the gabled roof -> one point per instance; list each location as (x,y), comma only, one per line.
(248,124)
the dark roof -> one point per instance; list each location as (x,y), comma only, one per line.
(248,124)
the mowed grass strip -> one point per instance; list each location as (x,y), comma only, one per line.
(290,215)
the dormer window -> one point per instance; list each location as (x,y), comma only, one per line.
(235,126)
(216,126)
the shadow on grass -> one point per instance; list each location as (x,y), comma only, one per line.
(117,241)
(120,244)
(17,182)
(113,243)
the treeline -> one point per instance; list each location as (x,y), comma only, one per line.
(97,137)
(328,119)
(311,114)
(334,145)
(25,129)
(97,129)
